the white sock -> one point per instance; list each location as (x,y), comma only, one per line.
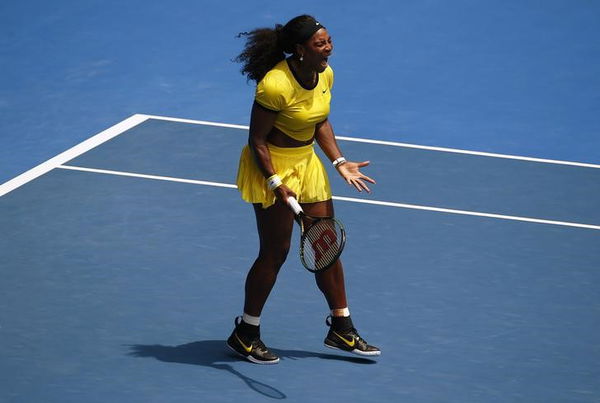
(345,312)
(251,320)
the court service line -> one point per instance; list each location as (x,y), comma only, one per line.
(342,198)
(71,153)
(144,176)
(467,212)
(397,144)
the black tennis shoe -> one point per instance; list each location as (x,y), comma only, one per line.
(252,349)
(348,340)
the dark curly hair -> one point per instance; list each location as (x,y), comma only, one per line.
(265,47)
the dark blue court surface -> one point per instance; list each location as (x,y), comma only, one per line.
(123,264)
(123,259)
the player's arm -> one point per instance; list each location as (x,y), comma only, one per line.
(261,124)
(349,170)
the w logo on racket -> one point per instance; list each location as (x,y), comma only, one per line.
(322,244)
(322,240)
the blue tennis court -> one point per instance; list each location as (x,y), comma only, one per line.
(473,265)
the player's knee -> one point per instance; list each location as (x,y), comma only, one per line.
(279,257)
(276,256)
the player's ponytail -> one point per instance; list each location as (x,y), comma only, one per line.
(263,50)
(265,47)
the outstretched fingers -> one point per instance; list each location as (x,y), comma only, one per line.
(350,171)
(358,184)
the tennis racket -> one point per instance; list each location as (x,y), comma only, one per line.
(322,239)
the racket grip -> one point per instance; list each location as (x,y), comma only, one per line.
(294,205)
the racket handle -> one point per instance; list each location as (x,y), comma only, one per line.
(295,206)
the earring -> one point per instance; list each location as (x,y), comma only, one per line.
(301,58)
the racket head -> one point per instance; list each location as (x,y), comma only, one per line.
(321,243)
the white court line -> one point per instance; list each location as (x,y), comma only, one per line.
(144,176)
(466,212)
(196,122)
(341,198)
(71,153)
(136,119)
(397,144)
(478,153)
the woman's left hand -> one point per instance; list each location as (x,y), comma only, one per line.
(350,171)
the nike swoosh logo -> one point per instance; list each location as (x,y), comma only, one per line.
(248,349)
(350,343)
(324,91)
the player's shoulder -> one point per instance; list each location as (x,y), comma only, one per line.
(275,89)
(279,76)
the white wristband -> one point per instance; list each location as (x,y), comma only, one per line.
(339,162)
(274,182)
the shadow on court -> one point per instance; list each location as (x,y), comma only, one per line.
(299,354)
(208,353)
(214,354)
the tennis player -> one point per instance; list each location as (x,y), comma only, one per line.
(289,114)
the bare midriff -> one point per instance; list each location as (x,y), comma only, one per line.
(280,139)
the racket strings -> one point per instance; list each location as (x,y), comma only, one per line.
(322,244)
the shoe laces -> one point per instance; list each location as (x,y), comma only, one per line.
(352,330)
(258,344)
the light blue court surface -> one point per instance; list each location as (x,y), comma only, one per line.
(512,76)
(123,263)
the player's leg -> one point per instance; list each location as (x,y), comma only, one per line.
(275,226)
(342,335)
(331,281)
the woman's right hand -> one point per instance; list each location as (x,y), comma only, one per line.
(283,193)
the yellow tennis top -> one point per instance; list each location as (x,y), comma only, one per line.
(300,109)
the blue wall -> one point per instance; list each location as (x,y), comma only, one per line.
(515,77)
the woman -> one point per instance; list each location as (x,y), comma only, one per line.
(290,113)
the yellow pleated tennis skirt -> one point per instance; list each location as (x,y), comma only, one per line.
(300,169)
